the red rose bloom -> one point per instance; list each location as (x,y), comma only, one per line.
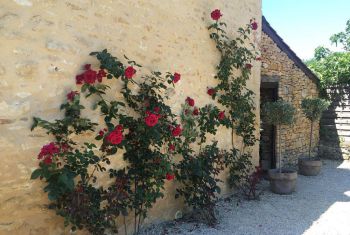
(90,76)
(258,58)
(47,152)
(101,133)
(48,160)
(71,95)
(254,25)
(211,91)
(151,120)
(156,109)
(248,66)
(216,14)
(79,79)
(171,147)
(169,176)
(190,101)
(177,77)
(119,128)
(221,115)
(101,74)
(176,131)
(115,137)
(195,111)
(87,66)
(129,72)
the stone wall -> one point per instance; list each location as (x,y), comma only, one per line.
(44,43)
(293,86)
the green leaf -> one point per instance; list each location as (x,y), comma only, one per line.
(35,174)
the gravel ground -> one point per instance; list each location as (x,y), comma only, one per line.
(320,206)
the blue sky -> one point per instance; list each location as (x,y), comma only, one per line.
(306,24)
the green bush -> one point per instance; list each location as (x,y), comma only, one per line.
(313,109)
(279,113)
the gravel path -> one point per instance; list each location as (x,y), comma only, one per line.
(321,206)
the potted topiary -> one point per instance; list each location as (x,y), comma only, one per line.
(282,181)
(312,109)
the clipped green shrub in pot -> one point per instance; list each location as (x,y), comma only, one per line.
(312,109)
(282,181)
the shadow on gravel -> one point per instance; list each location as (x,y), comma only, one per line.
(321,205)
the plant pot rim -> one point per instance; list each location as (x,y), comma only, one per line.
(310,159)
(287,174)
(316,162)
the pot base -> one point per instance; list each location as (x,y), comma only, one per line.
(309,166)
(283,183)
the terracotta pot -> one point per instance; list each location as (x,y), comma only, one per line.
(283,183)
(309,166)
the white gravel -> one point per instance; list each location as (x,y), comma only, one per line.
(320,206)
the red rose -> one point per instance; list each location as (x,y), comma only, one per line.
(156,109)
(169,176)
(129,72)
(258,58)
(254,25)
(216,14)
(211,91)
(190,101)
(79,79)
(119,127)
(87,66)
(101,133)
(48,160)
(47,152)
(115,137)
(195,111)
(101,74)
(221,115)
(90,76)
(71,95)
(151,120)
(177,77)
(171,147)
(176,131)
(248,66)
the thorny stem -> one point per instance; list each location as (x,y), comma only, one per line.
(91,174)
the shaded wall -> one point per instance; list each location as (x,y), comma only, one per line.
(293,86)
(44,43)
(335,125)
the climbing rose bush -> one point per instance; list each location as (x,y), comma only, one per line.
(140,129)
(137,127)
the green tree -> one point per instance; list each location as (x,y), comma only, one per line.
(313,109)
(333,68)
(342,37)
(279,113)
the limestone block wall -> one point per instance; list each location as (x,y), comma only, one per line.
(44,43)
(294,86)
